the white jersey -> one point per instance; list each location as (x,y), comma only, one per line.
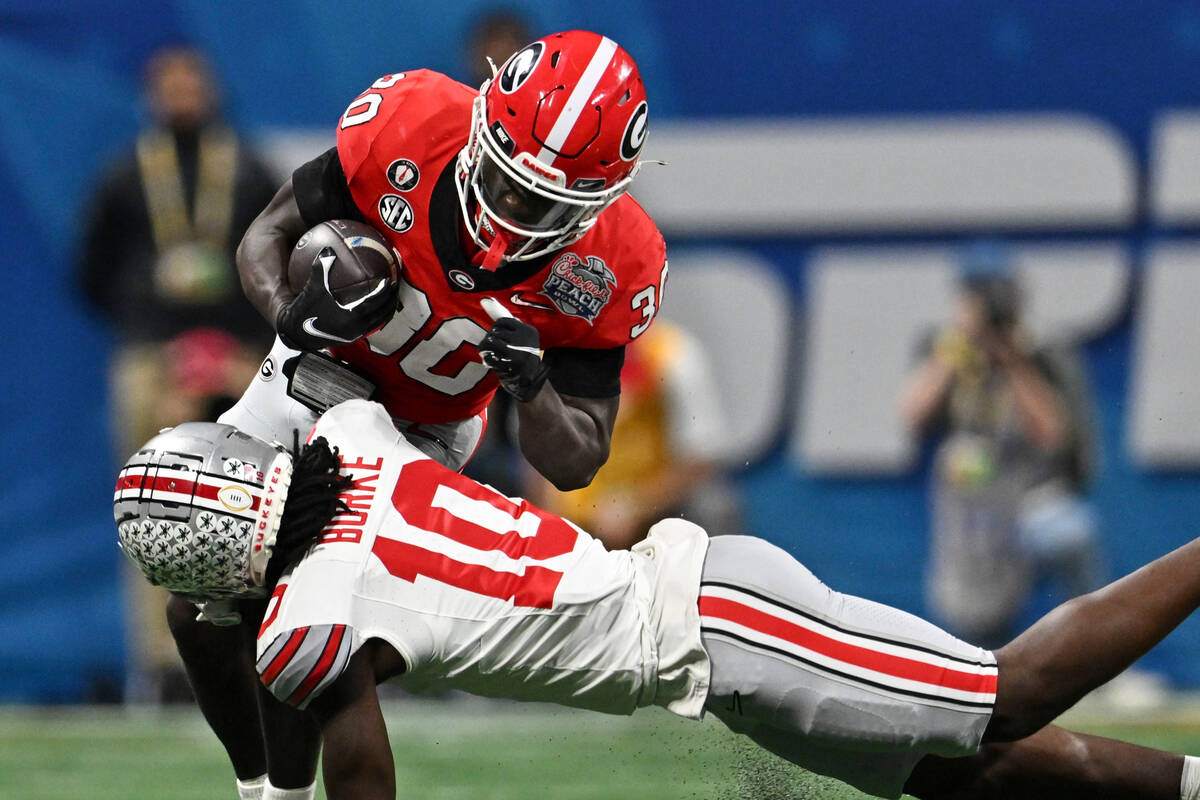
(482,593)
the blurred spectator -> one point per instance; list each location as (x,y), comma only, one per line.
(664,449)
(207,371)
(497,35)
(1012,463)
(157,264)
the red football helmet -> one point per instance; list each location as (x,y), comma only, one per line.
(555,138)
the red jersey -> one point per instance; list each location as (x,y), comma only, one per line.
(398,144)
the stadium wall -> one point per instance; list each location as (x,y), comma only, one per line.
(826,160)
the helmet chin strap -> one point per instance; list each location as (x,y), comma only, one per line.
(496,251)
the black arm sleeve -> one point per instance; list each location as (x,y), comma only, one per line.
(583,372)
(322,192)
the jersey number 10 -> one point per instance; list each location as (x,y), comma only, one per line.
(501,532)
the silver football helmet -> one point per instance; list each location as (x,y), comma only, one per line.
(198,509)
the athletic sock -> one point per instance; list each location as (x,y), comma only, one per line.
(1189,783)
(272,793)
(251,789)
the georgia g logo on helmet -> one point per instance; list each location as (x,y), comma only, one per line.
(519,67)
(635,133)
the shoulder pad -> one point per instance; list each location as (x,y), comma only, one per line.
(626,245)
(402,114)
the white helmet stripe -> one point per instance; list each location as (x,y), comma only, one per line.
(578,99)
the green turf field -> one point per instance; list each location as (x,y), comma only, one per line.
(460,749)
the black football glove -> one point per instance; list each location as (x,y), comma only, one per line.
(511,348)
(315,319)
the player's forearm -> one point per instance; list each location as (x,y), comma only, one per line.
(262,256)
(257,257)
(1088,640)
(566,439)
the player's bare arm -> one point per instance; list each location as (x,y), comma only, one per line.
(357,762)
(566,438)
(262,256)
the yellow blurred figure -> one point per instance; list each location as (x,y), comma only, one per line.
(665,448)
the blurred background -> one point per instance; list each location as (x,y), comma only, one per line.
(829,165)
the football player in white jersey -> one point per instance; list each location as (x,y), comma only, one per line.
(380,563)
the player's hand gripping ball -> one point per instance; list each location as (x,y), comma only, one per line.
(346,279)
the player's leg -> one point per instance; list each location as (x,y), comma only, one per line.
(265,409)
(293,737)
(837,684)
(259,733)
(293,742)
(842,686)
(1044,671)
(220,669)
(1052,764)
(1089,640)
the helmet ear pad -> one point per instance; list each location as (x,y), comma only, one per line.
(198,508)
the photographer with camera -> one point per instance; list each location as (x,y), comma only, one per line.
(1012,458)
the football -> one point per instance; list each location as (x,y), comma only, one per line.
(354,256)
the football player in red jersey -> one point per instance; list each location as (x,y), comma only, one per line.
(515,192)
(524,265)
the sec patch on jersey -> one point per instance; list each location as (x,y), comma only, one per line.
(351,256)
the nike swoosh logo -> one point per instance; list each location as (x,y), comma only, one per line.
(313,330)
(327,260)
(517,299)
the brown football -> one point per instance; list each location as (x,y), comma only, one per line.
(353,256)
